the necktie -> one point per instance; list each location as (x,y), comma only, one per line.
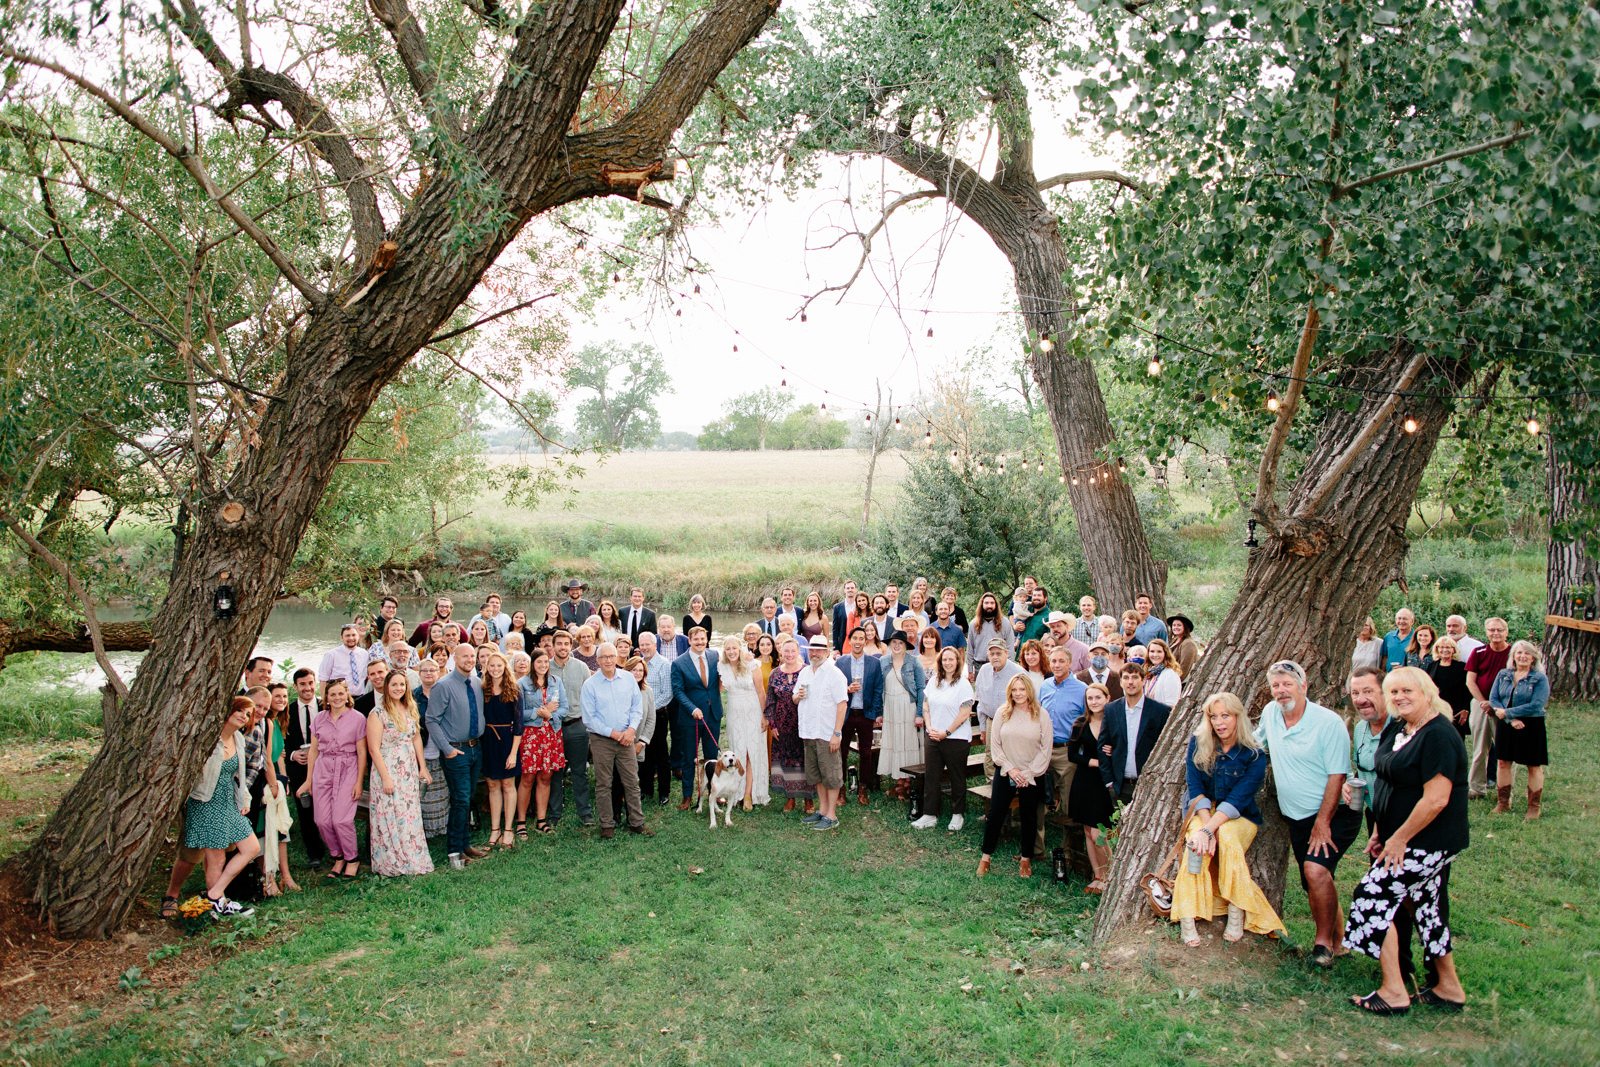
(354,679)
(472,712)
(633,624)
(704,678)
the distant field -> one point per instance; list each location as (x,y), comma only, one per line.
(729,525)
(714,492)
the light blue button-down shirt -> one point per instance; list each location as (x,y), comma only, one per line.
(611,704)
(658,673)
(1064,703)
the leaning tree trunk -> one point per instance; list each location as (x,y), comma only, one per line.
(1305,592)
(1010,208)
(99,846)
(1571,657)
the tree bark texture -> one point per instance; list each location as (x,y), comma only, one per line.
(118,637)
(1010,208)
(1305,592)
(100,845)
(1571,657)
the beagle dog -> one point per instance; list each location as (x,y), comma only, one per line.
(720,779)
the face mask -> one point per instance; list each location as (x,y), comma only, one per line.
(1137,659)
(1098,662)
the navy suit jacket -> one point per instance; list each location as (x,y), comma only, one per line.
(690,694)
(871,682)
(1115,733)
(841,616)
(768,627)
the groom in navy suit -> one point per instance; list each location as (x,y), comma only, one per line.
(863,674)
(697,697)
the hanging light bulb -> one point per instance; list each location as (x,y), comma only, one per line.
(1533,425)
(927,438)
(736,346)
(680,313)
(1045,344)
(1062,479)
(953,456)
(1410,425)
(1122,465)
(897,422)
(824,405)
(869,418)
(978,466)
(1074,479)
(696,288)
(616,277)
(802,316)
(1273,404)
(1153,368)
(930,331)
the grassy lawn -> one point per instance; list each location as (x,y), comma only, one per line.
(772,944)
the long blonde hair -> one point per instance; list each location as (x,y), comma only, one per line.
(1206,744)
(404,714)
(1010,706)
(739,668)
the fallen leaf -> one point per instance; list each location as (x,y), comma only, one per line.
(697,870)
(1514,922)
(651,915)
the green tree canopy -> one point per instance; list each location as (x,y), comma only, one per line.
(624,383)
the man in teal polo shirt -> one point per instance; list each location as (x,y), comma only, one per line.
(1310,750)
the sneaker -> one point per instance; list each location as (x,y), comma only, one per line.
(665,801)
(957,822)
(824,823)
(223,908)
(927,822)
(812,819)
(457,862)
(587,821)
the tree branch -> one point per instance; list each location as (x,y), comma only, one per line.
(1330,478)
(412,47)
(90,621)
(866,247)
(439,338)
(1071,176)
(1517,134)
(188,159)
(1266,504)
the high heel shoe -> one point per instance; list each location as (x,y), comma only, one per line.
(1025,868)
(1235,928)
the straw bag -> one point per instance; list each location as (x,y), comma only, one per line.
(1156,885)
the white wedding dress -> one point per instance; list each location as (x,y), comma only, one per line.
(741,729)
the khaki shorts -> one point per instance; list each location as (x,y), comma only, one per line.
(823,766)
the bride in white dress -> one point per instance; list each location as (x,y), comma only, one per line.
(744,728)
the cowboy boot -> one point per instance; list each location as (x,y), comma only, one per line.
(1534,796)
(1503,801)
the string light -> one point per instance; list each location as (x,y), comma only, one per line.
(1074,479)
(1410,425)
(869,418)
(1153,368)
(1533,425)
(927,438)
(897,422)
(1122,465)
(736,346)
(1062,479)
(1045,344)
(802,316)
(1273,404)
(930,331)
(680,313)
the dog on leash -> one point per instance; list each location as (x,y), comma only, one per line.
(720,780)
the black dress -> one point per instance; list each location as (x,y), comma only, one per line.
(1089,802)
(1452,682)
(689,623)
(502,725)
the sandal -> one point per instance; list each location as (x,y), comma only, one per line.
(1434,1000)
(169,907)
(351,875)
(334,870)
(1376,1005)
(543,826)
(522,829)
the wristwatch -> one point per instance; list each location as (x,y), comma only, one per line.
(836,733)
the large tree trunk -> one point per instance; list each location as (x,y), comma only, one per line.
(100,845)
(1010,208)
(118,637)
(1572,657)
(1305,592)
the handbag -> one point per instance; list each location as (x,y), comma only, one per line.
(1156,885)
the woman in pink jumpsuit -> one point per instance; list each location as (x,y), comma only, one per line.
(337,767)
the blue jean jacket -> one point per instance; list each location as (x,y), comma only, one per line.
(1232,783)
(1522,700)
(530,701)
(912,676)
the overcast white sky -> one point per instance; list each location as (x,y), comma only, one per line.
(935,267)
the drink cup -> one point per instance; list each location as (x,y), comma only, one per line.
(1358,794)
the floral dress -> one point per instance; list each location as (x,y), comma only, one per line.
(398,843)
(788,756)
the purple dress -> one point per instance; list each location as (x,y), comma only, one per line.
(399,845)
(333,779)
(788,755)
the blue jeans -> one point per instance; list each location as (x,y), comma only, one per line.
(575,746)
(461,774)
(684,733)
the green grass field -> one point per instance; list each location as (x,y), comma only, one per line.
(771,944)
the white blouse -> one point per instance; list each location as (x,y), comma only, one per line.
(944,702)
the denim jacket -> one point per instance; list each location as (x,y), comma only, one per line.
(1522,700)
(912,676)
(531,701)
(1232,784)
